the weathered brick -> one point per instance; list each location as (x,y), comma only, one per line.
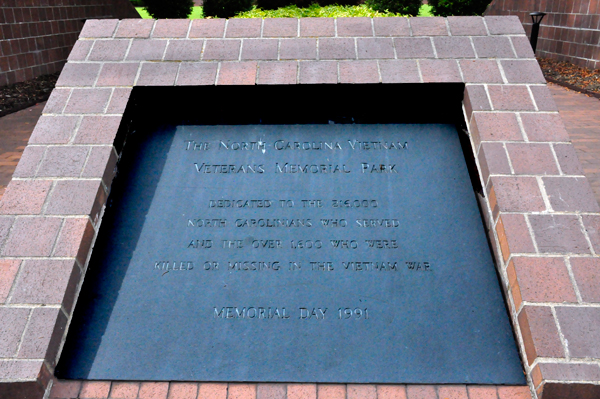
(271,391)
(95,389)
(532,159)
(452,391)
(567,159)
(280,27)
(475,99)
(118,101)
(413,47)
(146,50)
(277,73)
(587,277)
(80,50)
(88,101)
(433,26)
(125,390)
(522,46)
(331,391)
(495,127)
(493,47)
(570,194)
(171,28)
(8,272)
(109,50)
(222,50)
(302,391)
(421,392)
(242,391)
(298,49)
(63,161)
(43,335)
(156,74)
(514,392)
(581,328)
(99,28)
(317,27)
(482,392)
(237,73)
(121,74)
(466,26)
(316,72)
(211,391)
(514,235)
(57,101)
(259,49)
(184,50)
(391,391)
(97,130)
(453,47)
(558,234)
(517,194)
(197,74)
(493,160)
(440,71)
(75,239)
(78,75)
(359,72)
(135,28)
(352,26)
(50,282)
(65,389)
(22,370)
(399,71)
(504,25)
(76,197)
(544,127)
(480,71)
(24,197)
(156,390)
(510,98)
(539,333)
(591,224)
(391,26)
(569,371)
(543,98)
(375,48)
(361,391)
(243,27)
(207,28)
(522,71)
(29,162)
(32,236)
(11,329)
(336,49)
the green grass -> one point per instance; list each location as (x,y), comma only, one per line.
(312,11)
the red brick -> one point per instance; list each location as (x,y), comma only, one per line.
(76,197)
(259,49)
(207,28)
(241,391)
(298,49)
(475,99)
(146,50)
(125,390)
(532,159)
(391,391)
(95,389)
(558,234)
(271,391)
(109,50)
(331,391)
(65,389)
(452,391)
(517,194)
(514,235)
(32,236)
(510,98)
(302,391)
(336,49)
(543,98)
(421,392)
(99,28)
(43,335)
(158,74)
(118,101)
(359,72)
(482,392)
(480,71)
(587,276)
(243,27)
(433,26)
(399,71)
(121,74)
(581,328)
(29,162)
(353,26)
(516,392)
(316,72)
(567,159)
(453,47)
(570,194)
(75,239)
(391,26)
(466,26)
(63,161)
(414,47)
(539,332)
(97,130)
(569,371)
(237,73)
(277,73)
(522,71)
(522,46)
(211,391)
(11,329)
(155,390)
(197,74)
(504,25)
(88,101)
(592,228)
(136,28)
(57,101)
(8,272)
(280,27)
(184,50)
(101,163)
(317,27)
(78,75)
(24,197)
(176,28)
(440,71)
(493,160)
(361,391)
(80,50)
(50,282)
(222,50)
(544,127)
(493,47)
(375,48)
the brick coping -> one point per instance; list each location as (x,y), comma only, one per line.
(542,219)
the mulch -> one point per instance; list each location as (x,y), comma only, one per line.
(571,76)
(23,95)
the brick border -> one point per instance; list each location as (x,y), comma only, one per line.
(543,221)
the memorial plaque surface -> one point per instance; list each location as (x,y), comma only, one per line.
(320,253)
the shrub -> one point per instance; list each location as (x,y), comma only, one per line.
(169,8)
(225,8)
(404,7)
(445,8)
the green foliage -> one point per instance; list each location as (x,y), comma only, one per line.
(225,8)
(314,10)
(169,8)
(445,8)
(403,7)
(196,13)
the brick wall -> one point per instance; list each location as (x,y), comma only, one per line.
(36,36)
(570,31)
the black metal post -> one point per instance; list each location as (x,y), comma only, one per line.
(536,18)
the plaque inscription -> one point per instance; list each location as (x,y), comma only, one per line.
(321,253)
